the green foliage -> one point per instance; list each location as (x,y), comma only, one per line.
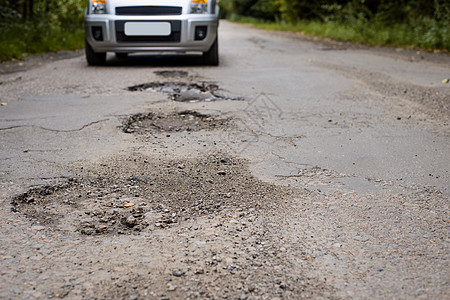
(19,40)
(264,9)
(38,26)
(420,23)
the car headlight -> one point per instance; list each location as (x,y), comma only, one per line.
(199,7)
(98,7)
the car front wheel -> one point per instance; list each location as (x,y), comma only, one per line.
(94,58)
(211,57)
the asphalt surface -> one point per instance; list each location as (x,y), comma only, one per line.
(298,168)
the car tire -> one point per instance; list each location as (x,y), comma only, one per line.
(211,57)
(94,58)
(121,55)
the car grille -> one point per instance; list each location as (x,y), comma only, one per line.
(174,37)
(148,10)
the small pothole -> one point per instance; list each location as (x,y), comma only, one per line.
(183,121)
(187,92)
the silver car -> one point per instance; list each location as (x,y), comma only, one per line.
(125,26)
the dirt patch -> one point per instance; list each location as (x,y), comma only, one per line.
(186,92)
(184,121)
(194,229)
(132,194)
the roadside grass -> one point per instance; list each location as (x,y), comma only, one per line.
(20,40)
(428,34)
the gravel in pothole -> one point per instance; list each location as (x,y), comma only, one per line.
(186,92)
(131,194)
(172,122)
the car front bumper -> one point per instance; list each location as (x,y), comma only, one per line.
(182,39)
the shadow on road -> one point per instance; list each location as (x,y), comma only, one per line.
(156,60)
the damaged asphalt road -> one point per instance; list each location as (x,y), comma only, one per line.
(296,169)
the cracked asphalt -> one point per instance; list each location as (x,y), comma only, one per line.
(309,169)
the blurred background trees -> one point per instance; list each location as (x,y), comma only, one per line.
(38,26)
(67,13)
(294,10)
(423,23)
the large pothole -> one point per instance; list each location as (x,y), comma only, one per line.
(183,121)
(186,92)
(132,194)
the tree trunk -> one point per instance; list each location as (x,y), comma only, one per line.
(25,10)
(373,5)
(31,9)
